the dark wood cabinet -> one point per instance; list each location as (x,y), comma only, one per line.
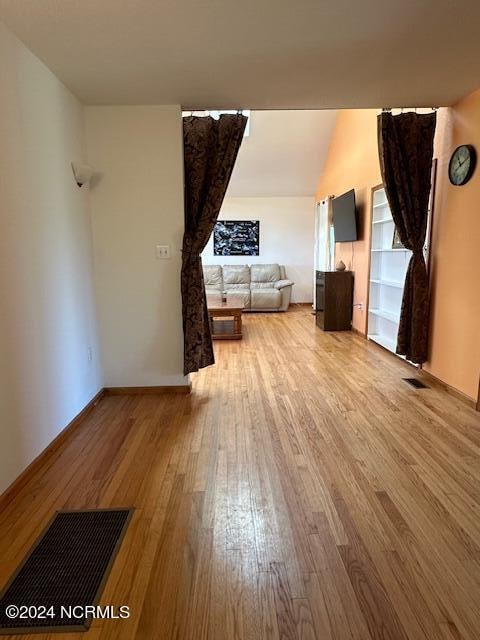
(334,300)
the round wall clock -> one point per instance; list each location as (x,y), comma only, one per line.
(462,164)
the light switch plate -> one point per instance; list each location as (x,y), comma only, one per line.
(162,251)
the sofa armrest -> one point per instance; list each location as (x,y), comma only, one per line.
(281,284)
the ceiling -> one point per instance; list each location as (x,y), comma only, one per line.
(258,54)
(283,155)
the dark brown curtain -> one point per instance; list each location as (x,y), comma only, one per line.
(405,144)
(210,151)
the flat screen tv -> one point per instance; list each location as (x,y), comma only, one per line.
(345,217)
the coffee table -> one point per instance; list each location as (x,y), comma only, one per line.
(225,318)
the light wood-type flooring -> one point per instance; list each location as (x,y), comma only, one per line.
(302,490)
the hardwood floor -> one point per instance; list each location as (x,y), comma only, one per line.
(303,490)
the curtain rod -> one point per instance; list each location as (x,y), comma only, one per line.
(402,109)
(329,197)
(220,111)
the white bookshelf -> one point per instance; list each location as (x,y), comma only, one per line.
(388,267)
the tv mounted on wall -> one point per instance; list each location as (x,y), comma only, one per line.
(345,217)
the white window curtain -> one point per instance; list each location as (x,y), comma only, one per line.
(324,247)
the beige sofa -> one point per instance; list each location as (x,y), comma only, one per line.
(259,287)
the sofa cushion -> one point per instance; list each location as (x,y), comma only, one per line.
(238,296)
(265,298)
(212,276)
(236,276)
(265,272)
(214,298)
(264,285)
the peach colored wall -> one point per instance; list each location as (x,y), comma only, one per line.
(455,267)
(352,161)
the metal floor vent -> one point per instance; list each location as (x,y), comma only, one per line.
(66,569)
(414,382)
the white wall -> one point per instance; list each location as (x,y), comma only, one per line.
(137,202)
(286,237)
(47,314)
(283,155)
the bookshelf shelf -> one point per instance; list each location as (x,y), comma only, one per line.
(388,266)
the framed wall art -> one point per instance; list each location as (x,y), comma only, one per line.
(236,238)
